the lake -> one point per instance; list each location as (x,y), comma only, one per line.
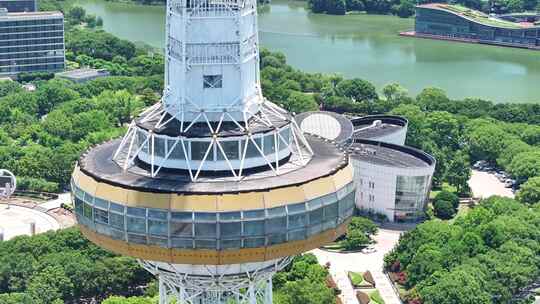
(363,46)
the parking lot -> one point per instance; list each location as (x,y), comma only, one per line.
(484,184)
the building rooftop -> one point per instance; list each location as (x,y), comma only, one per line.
(374,126)
(385,154)
(30,15)
(476,16)
(329,125)
(83,74)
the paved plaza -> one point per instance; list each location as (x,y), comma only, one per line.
(484,185)
(341,263)
(16,221)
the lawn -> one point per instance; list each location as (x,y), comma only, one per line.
(375,296)
(356,278)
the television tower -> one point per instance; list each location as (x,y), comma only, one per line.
(213,188)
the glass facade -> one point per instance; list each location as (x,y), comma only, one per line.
(217,231)
(31,45)
(411,197)
(233,149)
(442,23)
(18,6)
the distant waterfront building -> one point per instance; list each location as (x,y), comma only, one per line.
(83,75)
(452,22)
(386,128)
(31,42)
(391,179)
(19,6)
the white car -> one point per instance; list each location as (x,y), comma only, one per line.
(369,249)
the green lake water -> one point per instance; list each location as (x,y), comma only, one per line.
(364,46)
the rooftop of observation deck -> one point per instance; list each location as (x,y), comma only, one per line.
(390,155)
(367,128)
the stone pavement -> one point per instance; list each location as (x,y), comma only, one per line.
(341,263)
(16,221)
(64,198)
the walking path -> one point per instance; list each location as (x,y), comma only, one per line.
(16,220)
(341,263)
(64,198)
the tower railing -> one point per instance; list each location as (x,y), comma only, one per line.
(210,8)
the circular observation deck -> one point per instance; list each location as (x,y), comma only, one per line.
(216,220)
(329,125)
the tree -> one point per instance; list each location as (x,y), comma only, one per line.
(306,292)
(416,131)
(529,193)
(449,197)
(77,14)
(405,9)
(363,224)
(486,140)
(444,209)
(459,286)
(317,6)
(355,239)
(394,92)
(299,102)
(356,89)
(336,7)
(50,285)
(130,300)
(425,262)
(525,165)
(459,172)
(433,99)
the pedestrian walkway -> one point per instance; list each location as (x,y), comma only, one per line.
(342,263)
(64,198)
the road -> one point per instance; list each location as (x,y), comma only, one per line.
(341,263)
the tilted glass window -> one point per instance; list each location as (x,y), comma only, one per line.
(178,150)
(230,230)
(231,150)
(296,235)
(254,242)
(157,214)
(137,239)
(181,229)
(253,228)
(198,150)
(277,224)
(182,216)
(285,138)
(137,225)
(159,146)
(117,220)
(101,216)
(251,214)
(297,220)
(205,230)
(231,244)
(230,216)
(277,238)
(212,81)
(205,217)
(252,151)
(140,212)
(157,227)
(87,211)
(205,244)
(162,242)
(181,243)
(269,144)
(117,208)
(315,216)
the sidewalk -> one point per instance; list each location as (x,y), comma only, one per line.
(341,263)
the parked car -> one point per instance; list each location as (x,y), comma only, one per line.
(369,249)
(509,183)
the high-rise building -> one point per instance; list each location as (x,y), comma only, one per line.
(19,6)
(214,187)
(31,42)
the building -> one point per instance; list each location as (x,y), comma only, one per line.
(386,128)
(83,75)
(392,180)
(213,188)
(329,125)
(452,22)
(31,42)
(19,6)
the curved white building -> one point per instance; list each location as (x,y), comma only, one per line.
(386,128)
(391,179)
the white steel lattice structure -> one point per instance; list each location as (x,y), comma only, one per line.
(214,187)
(8,184)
